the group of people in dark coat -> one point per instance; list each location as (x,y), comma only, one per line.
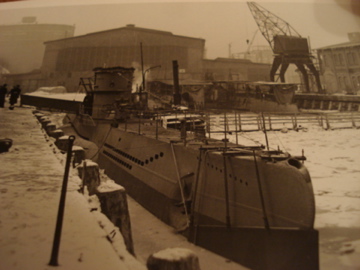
(14,95)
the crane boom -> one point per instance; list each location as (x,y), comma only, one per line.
(271,25)
(286,43)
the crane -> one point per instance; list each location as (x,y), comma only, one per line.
(251,42)
(287,45)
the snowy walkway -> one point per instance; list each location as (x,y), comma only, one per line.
(30,182)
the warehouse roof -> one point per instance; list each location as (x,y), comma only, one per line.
(129,27)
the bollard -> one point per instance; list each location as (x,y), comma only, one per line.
(44,120)
(112,198)
(60,216)
(50,127)
(78,155)
(62,142)
(44,123)
(90,176)
(57,133)
(39,115)
(173,259)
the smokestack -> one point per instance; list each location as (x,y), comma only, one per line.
(177,96)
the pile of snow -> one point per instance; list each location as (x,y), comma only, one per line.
(51,90)
(174,254)
(57,92)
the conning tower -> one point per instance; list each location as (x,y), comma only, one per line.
(111,89)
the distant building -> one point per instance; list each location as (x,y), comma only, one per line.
(257,54)
(22,45)
(67,60)
(340,66)
(221,69)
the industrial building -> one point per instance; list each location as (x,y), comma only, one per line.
(340,66)
(150,51)
(66,60)
(22,45)
(221,69)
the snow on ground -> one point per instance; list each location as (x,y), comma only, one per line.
(332,159)
(31,175)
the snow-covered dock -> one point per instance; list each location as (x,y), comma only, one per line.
(31,176)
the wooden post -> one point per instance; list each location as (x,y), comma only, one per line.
(42,118)
(57,133)
(173,259)
(78,155)
(114,205)
(62,142)
(49,128)
(91,176)
(44,122)
(112,198)
(38,115)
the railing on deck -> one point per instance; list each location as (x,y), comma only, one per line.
(340,120)
(235,122)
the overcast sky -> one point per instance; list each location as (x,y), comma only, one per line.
(220,23)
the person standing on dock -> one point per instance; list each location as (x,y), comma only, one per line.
(14,95)
(3,92)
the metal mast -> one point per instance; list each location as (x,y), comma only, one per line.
(286,43)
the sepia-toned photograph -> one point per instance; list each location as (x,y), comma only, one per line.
(180,135)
